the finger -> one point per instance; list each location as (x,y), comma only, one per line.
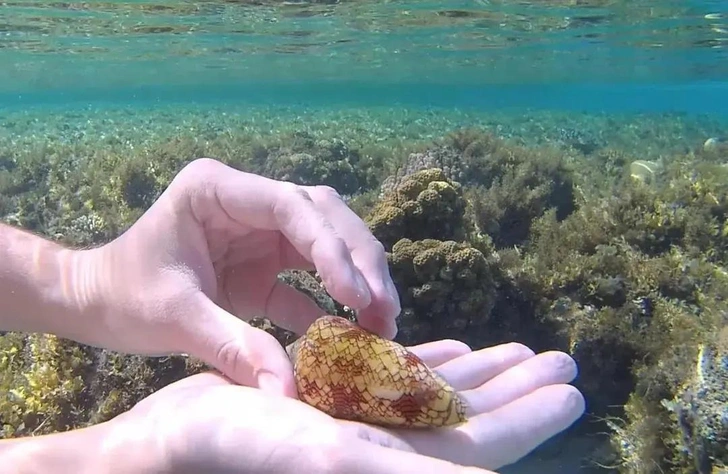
(517,428)
(264,244)
(505,435)
(433,354)
(361,457)
(315,238)
(548,368)
(247,293)
(268,204)
(247,355)
(369,257)
(472,370)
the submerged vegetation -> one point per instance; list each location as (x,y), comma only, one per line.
(489,240)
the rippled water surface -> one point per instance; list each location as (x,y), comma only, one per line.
(97,45)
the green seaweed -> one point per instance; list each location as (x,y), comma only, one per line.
(488,241)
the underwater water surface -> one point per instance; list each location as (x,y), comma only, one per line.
(463,53)
(554,115)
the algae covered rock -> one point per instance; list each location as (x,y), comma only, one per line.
(636,280)
(438,259)
(446,158)
(425,205)
(446,288)
(506,185)
(50,384)
(310,161)
(40,378)
(701,411)
(506,208)
(630,279)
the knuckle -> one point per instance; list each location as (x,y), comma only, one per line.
(228,355)
(202,166)
(297,191)
(289,201)
(294,197)
(241,361)
(196,176)
(328,192)
(338,245)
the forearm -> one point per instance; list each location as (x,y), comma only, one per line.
(44,287)
(100,449)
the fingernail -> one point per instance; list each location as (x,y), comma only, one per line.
(391,329)
(385,327)
(362,288)
(269,383)
(392,290)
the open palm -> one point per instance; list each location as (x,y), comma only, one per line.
(516,401)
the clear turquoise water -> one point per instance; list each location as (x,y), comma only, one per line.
(604,56)
(586,55)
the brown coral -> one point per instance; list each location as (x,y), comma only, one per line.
(447,289)
(424,205)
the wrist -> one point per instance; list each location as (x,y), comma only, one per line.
(100,449)
(45,287)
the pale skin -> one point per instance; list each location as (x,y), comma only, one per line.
(187,276)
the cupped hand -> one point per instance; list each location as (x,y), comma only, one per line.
(206,423)
(204,259)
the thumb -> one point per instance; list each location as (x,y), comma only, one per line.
(247,355)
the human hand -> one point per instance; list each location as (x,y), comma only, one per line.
(205,258)
(205,423)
